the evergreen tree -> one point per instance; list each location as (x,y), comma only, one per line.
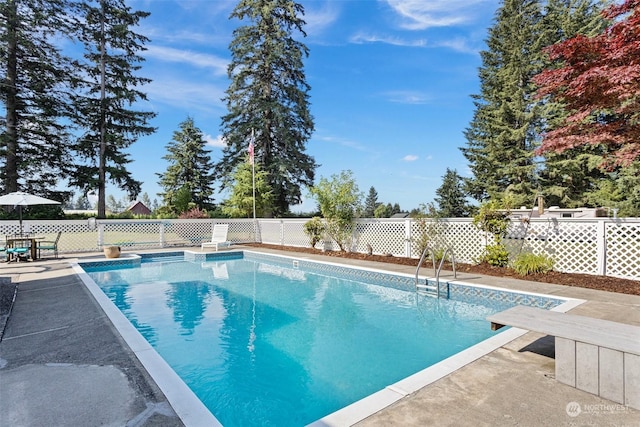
(190,168)
(451,198)
(82,203)
(268,97)
(621,192)
(370,203)
(502,134)
(34,144)
(146,199)
(106,97)
(240,203)
(111,204)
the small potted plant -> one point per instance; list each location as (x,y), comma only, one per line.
(112,251)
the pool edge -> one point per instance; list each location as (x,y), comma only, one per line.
(188,407)
(382,399)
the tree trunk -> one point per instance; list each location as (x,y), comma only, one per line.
(11,171)
(102,175)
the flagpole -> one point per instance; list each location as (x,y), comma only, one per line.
(253,185)
(253,176)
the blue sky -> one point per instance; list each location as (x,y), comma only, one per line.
(390,87)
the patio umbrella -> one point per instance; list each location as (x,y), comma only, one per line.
(21,199)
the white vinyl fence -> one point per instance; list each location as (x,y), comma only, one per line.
(599,246)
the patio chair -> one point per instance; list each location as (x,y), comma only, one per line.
(19,250)
(49,245)
(218,238)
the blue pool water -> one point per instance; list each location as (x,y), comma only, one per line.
(265,344)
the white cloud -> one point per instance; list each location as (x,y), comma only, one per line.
(410,158)
(184,94)
(319,18)
(459,44)
(202,60)
(422,14)
(407,97)
(218,141)
(395,41)
(344,142)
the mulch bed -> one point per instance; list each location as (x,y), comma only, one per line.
(603,283)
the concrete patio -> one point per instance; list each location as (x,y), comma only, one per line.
(63,363)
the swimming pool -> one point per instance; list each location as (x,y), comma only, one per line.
(269,340)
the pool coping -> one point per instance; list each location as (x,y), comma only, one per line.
(185,403)
(193,412)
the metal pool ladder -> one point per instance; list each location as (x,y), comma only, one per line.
(426,288)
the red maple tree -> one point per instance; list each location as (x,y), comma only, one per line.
(599,82)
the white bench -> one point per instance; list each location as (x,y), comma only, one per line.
(597,356)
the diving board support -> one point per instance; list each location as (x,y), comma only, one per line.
(593,355)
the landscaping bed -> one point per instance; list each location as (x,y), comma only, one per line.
(603,283)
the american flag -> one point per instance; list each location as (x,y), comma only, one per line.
(251,149)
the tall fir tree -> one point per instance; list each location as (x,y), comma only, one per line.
(34,142)
(370,204)
(503,132)
(106,98)
(451,198)
(190,167)
(249,181)
(268,98)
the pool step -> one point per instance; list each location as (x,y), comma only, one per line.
(426,289)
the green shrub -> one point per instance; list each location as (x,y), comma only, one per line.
(314,228)
(528,263)
(496,255)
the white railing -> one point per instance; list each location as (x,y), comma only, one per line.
(598,246)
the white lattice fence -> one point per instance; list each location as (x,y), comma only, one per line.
(623,249)
(597,246)
(77,236)
(384,236)
(293,233)
(573,244)
(126,233)
(240,231)
(271,232)
(464,238)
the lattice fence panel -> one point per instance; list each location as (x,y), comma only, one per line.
(293,233)
(623,249)
(271,232)
(241,231)
(385,237)
(572,244)
(192,232)
(464,238)
(76,235)
(139,234)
